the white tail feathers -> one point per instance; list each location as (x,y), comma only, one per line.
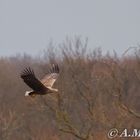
(27,93)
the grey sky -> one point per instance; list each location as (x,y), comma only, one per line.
(28,25)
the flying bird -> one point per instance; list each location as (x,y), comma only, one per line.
(40,87)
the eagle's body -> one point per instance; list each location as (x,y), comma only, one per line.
(40,87)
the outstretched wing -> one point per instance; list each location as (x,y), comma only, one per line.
(29,78)
(50,78)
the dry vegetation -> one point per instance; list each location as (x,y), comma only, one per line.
(96,93)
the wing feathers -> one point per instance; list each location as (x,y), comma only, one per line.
(50,78)
(29,78)
(40,86)
(54,69)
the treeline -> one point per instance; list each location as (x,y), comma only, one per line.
(96,93)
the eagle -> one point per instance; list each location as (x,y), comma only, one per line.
(40,87)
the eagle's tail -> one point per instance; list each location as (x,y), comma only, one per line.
(27,93)
(30,93)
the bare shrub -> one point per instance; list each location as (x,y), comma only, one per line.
(96,93)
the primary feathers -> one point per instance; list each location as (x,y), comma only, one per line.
(43,86)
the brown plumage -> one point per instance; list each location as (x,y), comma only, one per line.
(40,87)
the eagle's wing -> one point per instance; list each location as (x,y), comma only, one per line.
(29,78)
(50,78)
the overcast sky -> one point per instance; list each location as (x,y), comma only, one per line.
(29,25)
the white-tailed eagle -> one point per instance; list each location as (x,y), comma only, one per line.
(40,87)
